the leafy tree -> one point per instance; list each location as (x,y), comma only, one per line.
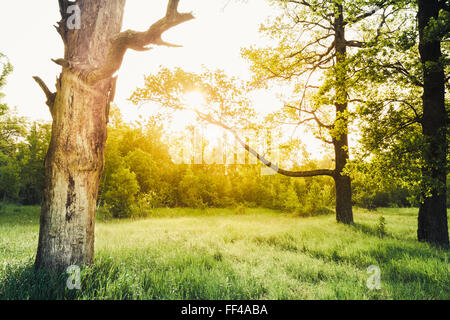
(404,110)
(434,27)
(121,193)
(189,190)
(135,152)
(9,179)
(138,154)
(290,198)
(7,68)
(31,157)
(374,188)
(316,50)
(11,128)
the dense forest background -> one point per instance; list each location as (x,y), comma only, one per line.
(140,175)
(385,80)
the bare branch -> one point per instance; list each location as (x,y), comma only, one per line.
(362,16)
(355,43)
(402,70)
(316,24)
(50,95)
(314,117)
(138,41)
(62,62)
(61,25)
(305,3)
(261,158)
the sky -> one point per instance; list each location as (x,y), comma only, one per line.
(214,39)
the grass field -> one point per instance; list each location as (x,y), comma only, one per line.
(218,254)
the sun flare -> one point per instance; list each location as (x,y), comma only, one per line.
(194,100)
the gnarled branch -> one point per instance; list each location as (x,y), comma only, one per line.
(362,16)
(62,62)
(50,95)
(63,5)
(355,43)
(261,158)
(314,117)
(61,25)
(135,40)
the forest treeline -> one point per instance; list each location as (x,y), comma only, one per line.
(140,175)
(376,71)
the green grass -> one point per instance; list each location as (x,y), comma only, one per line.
(218,254)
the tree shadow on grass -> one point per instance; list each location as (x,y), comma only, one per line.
(198,277)
(410,269)
(369,230)
(27,283)
(416,268)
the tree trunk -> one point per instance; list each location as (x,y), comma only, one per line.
(432,222)
(344,212)
(74,162)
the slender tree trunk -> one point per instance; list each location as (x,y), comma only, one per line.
(344,212)
(432,222)
(74,162)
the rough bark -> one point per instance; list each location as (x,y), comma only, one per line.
(344,212)
(80,110)
(74,162)
(432,221)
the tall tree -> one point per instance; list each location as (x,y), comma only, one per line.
(318,51)
(404,112)
(433,21)
(93,51)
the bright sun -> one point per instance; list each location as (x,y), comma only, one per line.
(194,100)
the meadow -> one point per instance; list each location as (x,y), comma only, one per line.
(233,254)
